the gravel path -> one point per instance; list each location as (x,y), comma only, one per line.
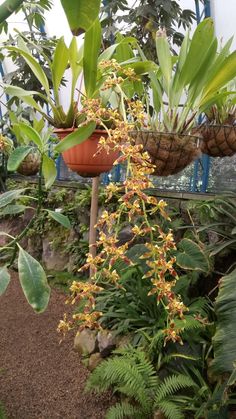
(38,377)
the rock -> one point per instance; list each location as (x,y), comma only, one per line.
(34,246)
(125,235)
(53,259)
(94,361)
(85,342)
(106,342)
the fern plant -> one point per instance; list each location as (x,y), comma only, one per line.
(132,374)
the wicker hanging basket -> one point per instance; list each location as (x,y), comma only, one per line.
(170,152)
(30,164)
(218,140)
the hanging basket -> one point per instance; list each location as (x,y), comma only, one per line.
(30,165)
(218,140)
(169,152)
(83,159)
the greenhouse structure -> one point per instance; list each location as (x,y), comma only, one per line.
(117,209)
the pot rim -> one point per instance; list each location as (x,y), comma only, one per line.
(97,131)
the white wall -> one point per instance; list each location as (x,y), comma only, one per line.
(224,14)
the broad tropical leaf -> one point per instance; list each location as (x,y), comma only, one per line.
(33,281)
(81,14)
(76,63)
(191,256)
(7,197)
(4,279)
(59,64)
(164,58)
(31,134)
(17,156)
(76,137)
(92,45)
(60,218)
(13,209)
(224,341)
(34,66)
(200,44)
(49,171)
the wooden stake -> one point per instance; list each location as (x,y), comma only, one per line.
(93,220)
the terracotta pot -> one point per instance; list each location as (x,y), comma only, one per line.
(82,159)
(169,152)
(30,165)
(218,140)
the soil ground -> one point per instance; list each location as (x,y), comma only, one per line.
(40,378)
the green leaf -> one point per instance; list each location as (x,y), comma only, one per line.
(92,45)
(81,14)
(60,218)
(107,53)
(76,63)
(191,256)
(225,74)
(18,91)
(13,209)
(31,134)
(200,44)
(224,340)
(26,96)
(123,51)
(164,58)
(142,67)
(76,137)
(33,281)
(7,197)
(34,66)
(4,279)
(59,64)
(49,171)
(17,156)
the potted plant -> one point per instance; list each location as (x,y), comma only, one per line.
(219,129)
(69,124)
(182,88)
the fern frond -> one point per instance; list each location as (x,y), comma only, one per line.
(170,410)
(171,385)
(117,372)
(143,365)
(189,323)
(123,410)
(168,358)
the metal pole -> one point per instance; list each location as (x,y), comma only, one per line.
(205,160)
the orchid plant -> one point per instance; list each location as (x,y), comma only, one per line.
(188,84)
